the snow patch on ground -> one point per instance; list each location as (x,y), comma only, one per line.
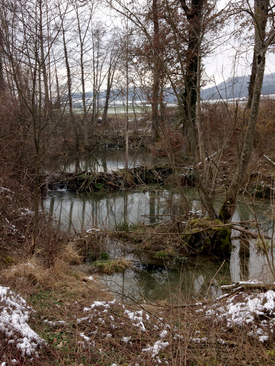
(14,315)
(255,310)
(139,319)
(156,348)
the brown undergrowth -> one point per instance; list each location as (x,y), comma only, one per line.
(81,324)
(177,237)
(77,317)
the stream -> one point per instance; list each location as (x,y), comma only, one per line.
(151,279)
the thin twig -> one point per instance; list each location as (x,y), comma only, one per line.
(212,280)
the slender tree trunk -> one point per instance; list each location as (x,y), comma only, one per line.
(261,14)
(198,112)
(69,86)
(2,80)
(252,82)
(43,60)
(110,77)
(260,49)
(156,72)
(189,96)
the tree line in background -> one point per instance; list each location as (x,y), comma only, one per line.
(52,49)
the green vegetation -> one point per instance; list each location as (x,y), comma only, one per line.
(162,254)
(8,261)
(209,236)
(108,266)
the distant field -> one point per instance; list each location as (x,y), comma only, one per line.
(121,110)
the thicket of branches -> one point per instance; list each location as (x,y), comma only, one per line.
(51,50)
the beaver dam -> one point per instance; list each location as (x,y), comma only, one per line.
(86,181)
(103,196)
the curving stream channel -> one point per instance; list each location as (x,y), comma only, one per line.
(150,279)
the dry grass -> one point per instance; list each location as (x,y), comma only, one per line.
(59,295)
(71,255)
(79,331)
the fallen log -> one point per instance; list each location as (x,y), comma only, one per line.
(245,285)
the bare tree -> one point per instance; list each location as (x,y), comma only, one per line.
(263,38)
(112,58)
(29,31)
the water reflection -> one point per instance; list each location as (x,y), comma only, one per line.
(159,281)
(191,282)
(79,212)
(103,161)
(247,261)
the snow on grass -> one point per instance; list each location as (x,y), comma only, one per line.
(60,322)
(14,315)
(137,318)
(156,348)
(257,311)
(3,189)
(115,318)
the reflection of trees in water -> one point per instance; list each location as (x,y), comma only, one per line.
(105,160)
(247,262)
(244,254)
(189,283)
(83,211)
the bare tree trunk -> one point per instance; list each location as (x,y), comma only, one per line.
(2,80)
(189,96)
(43,63)
(260,49)
(110,78)
(261,14)
(156,72)
(252,82)
(198,112)
(82,34)
(69,86)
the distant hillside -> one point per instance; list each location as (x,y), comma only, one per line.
(237,87)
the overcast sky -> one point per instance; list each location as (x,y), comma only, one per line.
(234,58)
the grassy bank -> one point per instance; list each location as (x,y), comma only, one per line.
(78,323)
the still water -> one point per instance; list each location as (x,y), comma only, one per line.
(151,279)
(103,161)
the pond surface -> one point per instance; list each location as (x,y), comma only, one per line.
(151,279)
(103,161)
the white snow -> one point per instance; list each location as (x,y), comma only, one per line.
(198,340)
(156,348)
(14,315)
(125,339)
(91,278)
(60,322)
(3,189)
(163,334)
(92,229)
(257,311)
(85,337)
(137,318)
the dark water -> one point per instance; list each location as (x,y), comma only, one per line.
(158,280)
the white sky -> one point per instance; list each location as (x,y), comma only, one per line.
(230,59)
(233,59)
